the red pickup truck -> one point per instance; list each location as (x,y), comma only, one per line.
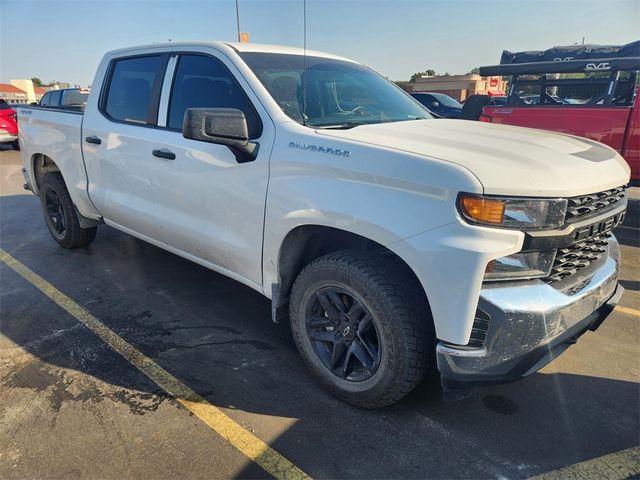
(589,90)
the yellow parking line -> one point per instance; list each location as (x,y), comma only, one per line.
(247,443)
(628,311)
(615,466)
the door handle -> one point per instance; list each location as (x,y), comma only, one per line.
(164,153)
(93,139)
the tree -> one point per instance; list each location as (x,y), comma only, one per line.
(36,81)
(427,73)
(474,71)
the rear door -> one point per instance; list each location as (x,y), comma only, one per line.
(118,137)
(209,205)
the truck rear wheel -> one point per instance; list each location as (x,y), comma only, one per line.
(60,214)
(362,326)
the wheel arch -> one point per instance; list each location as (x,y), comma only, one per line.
(41,164)
(305,243)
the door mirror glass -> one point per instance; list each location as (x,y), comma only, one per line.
(224,126)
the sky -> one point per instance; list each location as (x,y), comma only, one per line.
(65,40)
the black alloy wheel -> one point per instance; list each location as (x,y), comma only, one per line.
(55,214)
(60,214)
(343,334)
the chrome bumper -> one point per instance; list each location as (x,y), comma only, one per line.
(531,323)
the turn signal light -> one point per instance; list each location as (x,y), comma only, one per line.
(483,210)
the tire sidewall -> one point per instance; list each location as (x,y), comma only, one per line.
(50,182)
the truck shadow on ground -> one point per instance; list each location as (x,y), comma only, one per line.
(216,336)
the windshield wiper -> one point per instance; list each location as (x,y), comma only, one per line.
(352,124)
(340,126)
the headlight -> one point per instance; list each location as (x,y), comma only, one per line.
(520,266)
(513,212)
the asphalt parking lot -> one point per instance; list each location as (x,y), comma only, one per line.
(71,407)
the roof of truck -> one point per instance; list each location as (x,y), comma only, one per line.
(239,47)
(266,48)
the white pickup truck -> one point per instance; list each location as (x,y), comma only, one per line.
(392,242)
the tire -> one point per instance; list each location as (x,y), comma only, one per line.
(16,145)
(472,107)
(60,214)
(394,333)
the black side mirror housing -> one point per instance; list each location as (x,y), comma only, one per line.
(224,126)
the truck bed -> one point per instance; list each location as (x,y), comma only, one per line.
(56,133)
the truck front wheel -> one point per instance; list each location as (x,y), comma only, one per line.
(362,326)
(60,215)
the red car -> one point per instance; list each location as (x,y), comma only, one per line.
(588,90)
(8,125)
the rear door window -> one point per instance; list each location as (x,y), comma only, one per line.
(54,101)
(202,81)
(131,89)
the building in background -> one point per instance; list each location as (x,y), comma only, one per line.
(40,91)
(12,94)
(26,86)
(459,87)
(24,91)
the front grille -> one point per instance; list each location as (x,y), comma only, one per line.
(588,204)
(577,256)
(584,252)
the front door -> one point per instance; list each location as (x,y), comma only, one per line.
(209,205)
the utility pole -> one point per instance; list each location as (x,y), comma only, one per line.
(583,40)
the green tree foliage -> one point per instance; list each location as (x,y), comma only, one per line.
(427,73)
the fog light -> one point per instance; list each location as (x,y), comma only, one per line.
(521,266)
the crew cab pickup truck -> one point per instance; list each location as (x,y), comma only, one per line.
(387,239)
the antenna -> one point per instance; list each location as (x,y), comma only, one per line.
(238,19)
(304,63)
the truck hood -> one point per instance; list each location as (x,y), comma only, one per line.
(506,160)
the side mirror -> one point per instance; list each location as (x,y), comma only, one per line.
(224,126)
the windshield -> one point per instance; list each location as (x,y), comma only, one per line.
(4,105)
(446,100)
(338,94)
